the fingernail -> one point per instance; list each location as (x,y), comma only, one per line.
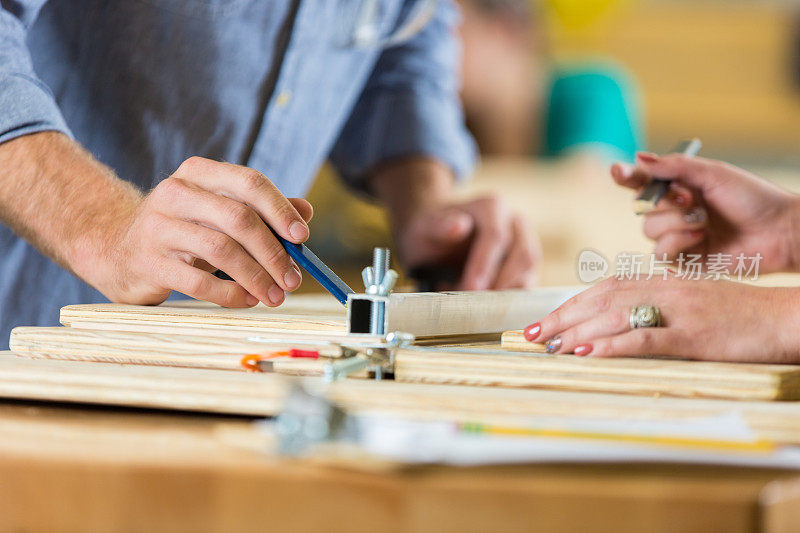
(532,331)
(298,231)
(275,294)
(251,300)
(647,157)
(552,345)
(583,349)
(672,270)
(292,279)
(695,216)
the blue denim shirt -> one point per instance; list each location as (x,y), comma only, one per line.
(271,84)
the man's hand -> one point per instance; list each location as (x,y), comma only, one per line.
(713,207)
(207,216)
(481,239)
(137,249)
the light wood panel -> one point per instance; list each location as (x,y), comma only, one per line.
(441,365)
(424,315)
(262,395)
(458,313)
(514,341)
(715,379)
(205,315)
(159,349)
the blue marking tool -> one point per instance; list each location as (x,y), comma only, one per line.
(312,264)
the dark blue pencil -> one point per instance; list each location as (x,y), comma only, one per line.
(312,264)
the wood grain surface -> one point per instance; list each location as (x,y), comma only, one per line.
(485,365)
(255,394)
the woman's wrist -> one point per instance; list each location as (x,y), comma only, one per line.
(792,234)
(786,315)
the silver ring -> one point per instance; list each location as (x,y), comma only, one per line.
(645,316)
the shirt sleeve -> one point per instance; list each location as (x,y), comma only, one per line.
(410,105)
(26,104)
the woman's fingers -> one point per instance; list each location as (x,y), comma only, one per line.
(673,243)
(640,341)
(678,195)
(594,302)
(612,322)
(610,335)
(629,176)
(659,223)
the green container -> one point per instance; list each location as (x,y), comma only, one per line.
(595,106)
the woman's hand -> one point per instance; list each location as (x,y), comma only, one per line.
(707,320)
(713,207)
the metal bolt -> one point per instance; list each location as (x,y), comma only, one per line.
(380,263)
(398,339)
(380,266)
(342,369)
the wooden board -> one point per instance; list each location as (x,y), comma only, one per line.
(191,316)
(158,349)
(514,341)
(426,315)
(458,313)
(451,365)
(263,394)
(627,376)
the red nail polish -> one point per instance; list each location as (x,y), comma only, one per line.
(672,271)
(532,331)
(583,349)
(647,157)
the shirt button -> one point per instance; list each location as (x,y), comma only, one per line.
(283,98)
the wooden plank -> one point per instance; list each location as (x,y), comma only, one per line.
(205,315)
(243,393)
(158,349)
(514,341)
(641,376)
(425,315)
(451,365)
(193,348)
(451,313)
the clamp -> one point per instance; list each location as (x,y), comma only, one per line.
(366,313)
(377,359)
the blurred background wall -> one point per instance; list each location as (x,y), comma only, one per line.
(554,90)
(724,70)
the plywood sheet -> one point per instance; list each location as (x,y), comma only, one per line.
(457,365)
(425,315)
(263,394)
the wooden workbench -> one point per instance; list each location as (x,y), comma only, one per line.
(77,468)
